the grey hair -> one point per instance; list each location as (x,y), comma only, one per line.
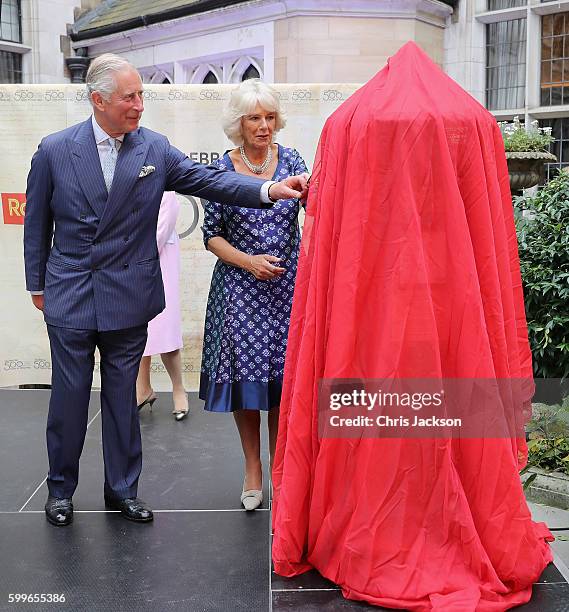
(101,74)
(243,100)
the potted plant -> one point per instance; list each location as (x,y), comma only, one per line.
(526,152)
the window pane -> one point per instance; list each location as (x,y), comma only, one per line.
(545,72)
(557,71)
(10,67)
(10,20)
(566,72)
(506,64)
(545,97)
(560,146)
(555,74)
(492,56)
(555,148)
(547,25)
(496,5)
(558,24)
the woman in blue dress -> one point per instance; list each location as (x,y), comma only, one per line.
(250,298)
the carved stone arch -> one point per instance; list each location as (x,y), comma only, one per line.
(250,73)
(201,71)
(159,77)
(241,66)
(146,76)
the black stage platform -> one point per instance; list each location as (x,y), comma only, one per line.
(201,553)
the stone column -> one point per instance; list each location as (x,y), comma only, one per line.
(78,65)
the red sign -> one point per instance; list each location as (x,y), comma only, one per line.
(14,208)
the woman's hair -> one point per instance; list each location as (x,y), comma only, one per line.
(243,100)
(101,74)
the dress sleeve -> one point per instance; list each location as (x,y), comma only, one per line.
(169,208)
(297,164)
(213,224)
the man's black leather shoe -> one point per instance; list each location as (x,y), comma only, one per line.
(59,511)
(131,508)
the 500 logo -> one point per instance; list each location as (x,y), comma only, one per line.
(150,95)
(176,94)
(23,95)
(301,95)
(210,94)
(332,95)
(15,364)
(52,95)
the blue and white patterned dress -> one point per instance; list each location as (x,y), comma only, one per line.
(246,325)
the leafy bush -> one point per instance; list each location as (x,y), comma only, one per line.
(548,444)
(543,240)
(549,454)
(517,138)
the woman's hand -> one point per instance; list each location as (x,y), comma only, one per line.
(262,268)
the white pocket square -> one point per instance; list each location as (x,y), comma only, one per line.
(146,170)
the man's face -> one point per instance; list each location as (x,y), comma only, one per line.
(121,113)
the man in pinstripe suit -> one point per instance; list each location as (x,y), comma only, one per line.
(92,267)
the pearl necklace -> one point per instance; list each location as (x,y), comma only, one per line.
(257,169)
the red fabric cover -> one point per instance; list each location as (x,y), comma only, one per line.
(408,268)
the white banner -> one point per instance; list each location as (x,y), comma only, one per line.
(189,115)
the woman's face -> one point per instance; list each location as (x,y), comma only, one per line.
(257,127)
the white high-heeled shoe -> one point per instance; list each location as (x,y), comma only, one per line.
(251,499)
(181,414)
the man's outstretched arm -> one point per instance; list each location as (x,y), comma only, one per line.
(209,183)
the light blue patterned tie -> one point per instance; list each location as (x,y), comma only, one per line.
(110,163)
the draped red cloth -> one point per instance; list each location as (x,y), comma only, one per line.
(408,268)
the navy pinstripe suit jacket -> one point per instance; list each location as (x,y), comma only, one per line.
(94,253)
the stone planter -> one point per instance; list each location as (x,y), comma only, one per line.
(549,488)
(526,168)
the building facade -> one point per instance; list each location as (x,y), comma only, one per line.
(512,55)
(34,39)
(290,41)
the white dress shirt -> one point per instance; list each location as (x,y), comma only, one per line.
(102,140)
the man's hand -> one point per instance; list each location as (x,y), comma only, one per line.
(262,268)
(291,187)
(38,301)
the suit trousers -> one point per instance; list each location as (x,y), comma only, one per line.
(73,359)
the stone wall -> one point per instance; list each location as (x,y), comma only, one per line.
(345,49)
(44,29)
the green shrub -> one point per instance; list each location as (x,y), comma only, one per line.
(549,454)
(543,240)
(548,444)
